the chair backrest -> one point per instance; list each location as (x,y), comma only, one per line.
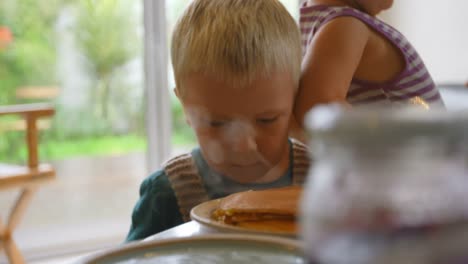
(31,113)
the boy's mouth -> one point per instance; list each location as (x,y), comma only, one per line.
(244,165)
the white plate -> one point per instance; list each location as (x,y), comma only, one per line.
(227,248)
(202,214)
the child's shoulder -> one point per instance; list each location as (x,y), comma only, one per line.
(325,11)
(178,162)
(335,19)
(160,177)
(345,34)
(344,17)
(155,182)
(347,24)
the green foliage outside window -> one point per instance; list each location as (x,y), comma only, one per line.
(108,35)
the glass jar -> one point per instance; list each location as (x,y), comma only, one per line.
(386,186)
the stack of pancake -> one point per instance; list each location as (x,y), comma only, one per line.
(272,210)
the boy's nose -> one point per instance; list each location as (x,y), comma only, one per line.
(242,137)
(245,143)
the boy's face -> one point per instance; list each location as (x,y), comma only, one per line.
(242,131)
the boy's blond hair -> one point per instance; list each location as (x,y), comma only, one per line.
(236,40)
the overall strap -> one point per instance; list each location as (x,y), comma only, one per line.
(301,162)
(186,183)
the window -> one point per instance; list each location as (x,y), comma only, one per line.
(77,55)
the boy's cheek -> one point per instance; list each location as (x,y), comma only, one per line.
(213,150)
(207,133)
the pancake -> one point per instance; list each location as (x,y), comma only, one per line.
(273,210)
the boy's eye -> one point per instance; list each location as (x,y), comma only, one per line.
(217,123)
(267,120)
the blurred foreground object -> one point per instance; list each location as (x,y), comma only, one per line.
(387,186)
(25,178)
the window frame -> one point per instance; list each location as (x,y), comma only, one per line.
(158,103)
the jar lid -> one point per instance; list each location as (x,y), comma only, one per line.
(390,126)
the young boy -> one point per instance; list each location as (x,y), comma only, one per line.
(236,66)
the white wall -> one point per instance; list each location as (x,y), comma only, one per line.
(439,31)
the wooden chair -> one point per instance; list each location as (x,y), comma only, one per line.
(25,178)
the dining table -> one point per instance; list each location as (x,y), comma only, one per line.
(191,229)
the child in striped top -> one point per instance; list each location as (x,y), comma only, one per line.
(351,56)
(237,66)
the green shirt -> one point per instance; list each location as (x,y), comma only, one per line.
(157,208)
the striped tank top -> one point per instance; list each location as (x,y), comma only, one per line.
(414,85)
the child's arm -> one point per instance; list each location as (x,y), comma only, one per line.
(156,210)
(330,63)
